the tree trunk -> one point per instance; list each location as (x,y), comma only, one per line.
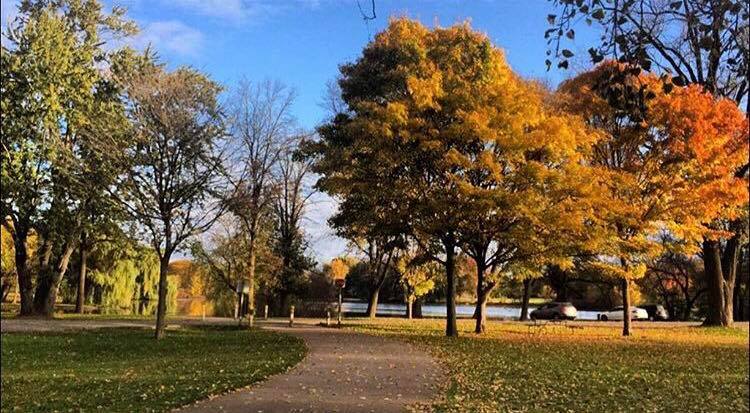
(284,304)
(688,310)
(372,302)
(161,306)
(729,267)
(409,305)
(737,302)
(6,290)
(451,329)
(251,277)
(720,269)
(83,251)
(417,308)
(142,298)
(25,286)
(45,296)
(480,311)
(742,295)
(625,307)
(558,281)
(525,300)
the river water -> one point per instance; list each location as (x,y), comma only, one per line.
(462,310)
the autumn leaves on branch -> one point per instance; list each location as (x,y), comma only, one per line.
(441,143)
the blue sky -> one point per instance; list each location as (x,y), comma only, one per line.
(302,43)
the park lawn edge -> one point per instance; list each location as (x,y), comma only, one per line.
(284,358)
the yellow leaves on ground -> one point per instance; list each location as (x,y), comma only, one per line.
(513,367)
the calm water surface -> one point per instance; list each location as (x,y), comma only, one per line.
(463,310)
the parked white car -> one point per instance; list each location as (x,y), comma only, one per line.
(616,314)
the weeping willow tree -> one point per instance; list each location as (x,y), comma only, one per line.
(124,279)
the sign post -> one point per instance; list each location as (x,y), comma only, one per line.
(340,282)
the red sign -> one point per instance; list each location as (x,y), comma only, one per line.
(340,282)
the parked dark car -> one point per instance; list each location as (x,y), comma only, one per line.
(555,311)
(656,312)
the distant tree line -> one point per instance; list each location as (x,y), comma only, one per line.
(107,153)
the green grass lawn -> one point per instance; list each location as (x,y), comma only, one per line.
(126,370)
(671,369)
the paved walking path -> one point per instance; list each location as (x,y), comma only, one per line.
(343,372)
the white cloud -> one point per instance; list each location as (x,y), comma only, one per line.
(323,241)
(170,36)
(239,11)
(224,9)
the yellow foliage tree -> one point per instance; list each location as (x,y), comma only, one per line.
(417,278)
(447,142)
(338,268)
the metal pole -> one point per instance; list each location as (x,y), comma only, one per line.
(291,316)
(328,318)
(339,315)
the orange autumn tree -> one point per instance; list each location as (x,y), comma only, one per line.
(713,134)
(665,159)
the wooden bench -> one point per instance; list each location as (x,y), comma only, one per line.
(538,326)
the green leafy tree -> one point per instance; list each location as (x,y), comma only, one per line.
(57,103)
(172,187)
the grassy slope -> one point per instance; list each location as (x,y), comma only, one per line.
(593,369)
(126,370)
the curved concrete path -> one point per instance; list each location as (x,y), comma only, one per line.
(342,372)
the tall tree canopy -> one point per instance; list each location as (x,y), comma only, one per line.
(699,42)
(261,128)
(59,101)
(445,140)
(174,181)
